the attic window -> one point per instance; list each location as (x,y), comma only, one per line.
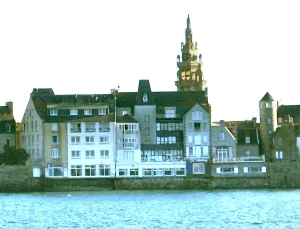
(7,128)
(145,97)
(53,112)
(170,112)
(88,112)
(247,139)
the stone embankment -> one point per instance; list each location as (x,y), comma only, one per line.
(278,176)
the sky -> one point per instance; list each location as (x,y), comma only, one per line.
(89,47)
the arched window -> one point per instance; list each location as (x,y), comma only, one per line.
(145,97)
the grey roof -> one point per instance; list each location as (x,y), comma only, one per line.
(267,97)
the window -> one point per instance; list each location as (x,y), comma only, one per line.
(157,172)
(147,172)
(104,127)
(124,113)
(104,153)
(75,127)
(147,131)
(90,154)
(55,153)
(75,140)
(75,154)
(102,111)
(73,112)
(128,128)
(54,126)
(279,141)
(90,170)
(53,112)
(76,170)
(279,155)
(87,112)
(168,172)
(129,142)
(145,97)
(197,115)
(191,151)
(7,128)
(197,126)
(247,139)
(8,141)
(104,140)
(89,140)
(134,172)
(170,112)
(180,172)
(268,105)
(55,171)
(147,118)
(123,172)
(198,168)
(269,121)
(54,139)
(204,138)
(227,170)
(171,126)
(128,156)
(104,170)
(90,127)
(222,135)
(222,154)
(279,120)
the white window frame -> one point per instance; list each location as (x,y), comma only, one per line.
(104,139)
(73,112)
(75,139)
(104,153)
(89,140)
(54,126)
(88,112)
(197,115)
(170,112)
(90,154)
(53,112)
(54,154)
(75,154)
(102,111)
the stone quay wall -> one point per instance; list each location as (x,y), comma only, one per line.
(281,175)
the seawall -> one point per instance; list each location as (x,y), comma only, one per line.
(278,176)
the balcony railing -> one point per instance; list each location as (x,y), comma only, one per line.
(240,159)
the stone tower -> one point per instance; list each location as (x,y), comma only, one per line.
(189,75)
(268,123)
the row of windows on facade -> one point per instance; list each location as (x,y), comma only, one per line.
(252,169)
(170,112)
(161,155)
(104,170)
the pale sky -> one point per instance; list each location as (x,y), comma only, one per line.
(85,47)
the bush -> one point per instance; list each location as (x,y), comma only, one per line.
(13,156)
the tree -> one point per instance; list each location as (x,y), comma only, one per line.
(13,156)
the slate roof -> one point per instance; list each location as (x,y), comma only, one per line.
(5,114)
(267,97)
(292,110)
(45,99)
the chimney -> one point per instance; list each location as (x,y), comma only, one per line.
(10,106)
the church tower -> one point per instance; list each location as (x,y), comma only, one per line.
(189,75)
(268,123)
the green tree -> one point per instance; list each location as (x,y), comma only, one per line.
(13,156)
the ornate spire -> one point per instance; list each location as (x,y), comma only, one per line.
(188,31)
(189,75)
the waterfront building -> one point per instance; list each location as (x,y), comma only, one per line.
(7,126)
(224,143)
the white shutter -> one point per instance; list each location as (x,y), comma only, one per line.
(245,169)
(218,170)
(263,169)
(236,170)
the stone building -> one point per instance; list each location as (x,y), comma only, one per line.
(7,126)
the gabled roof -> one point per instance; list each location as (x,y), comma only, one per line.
(126,119)
(267,97)
(292,110)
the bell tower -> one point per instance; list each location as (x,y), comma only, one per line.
(189,74)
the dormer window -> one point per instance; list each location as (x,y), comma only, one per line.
(53,112)
(88,112)
(7,128)
(145,97)
(170,112)
(73,112)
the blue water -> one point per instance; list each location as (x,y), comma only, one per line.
(152,209)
